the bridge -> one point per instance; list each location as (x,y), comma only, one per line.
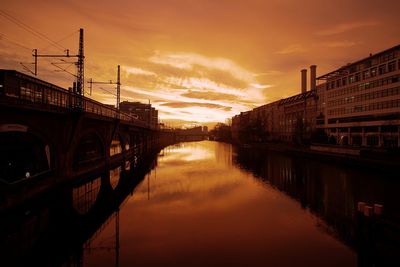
(50,135)
(55,229)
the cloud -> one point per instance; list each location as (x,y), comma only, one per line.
(138,71)
(268,73)
(340,44)
(260,86)
(195,104)
(210,95)
(188,61)
(291,49)
(345,27)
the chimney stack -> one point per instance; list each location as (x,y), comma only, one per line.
(313,77)
(303,81)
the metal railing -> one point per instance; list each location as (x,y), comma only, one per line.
(56,98)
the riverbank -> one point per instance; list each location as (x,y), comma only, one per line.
(375,159)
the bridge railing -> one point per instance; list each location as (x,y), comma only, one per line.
(22,89)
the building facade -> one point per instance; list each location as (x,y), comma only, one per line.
(363,101)
(355,105)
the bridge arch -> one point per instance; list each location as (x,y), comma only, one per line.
(25,153)
(117,144)
(89,149)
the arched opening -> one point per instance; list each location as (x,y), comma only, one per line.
(84,196)
(89,150)
(344,140)
(116,145)
(332,140)
(115,175)
(23,156)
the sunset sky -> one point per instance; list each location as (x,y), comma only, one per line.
(199,61)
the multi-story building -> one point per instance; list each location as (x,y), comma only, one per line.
(291,119)
(145,112)
(297,116)
(362,101)
(357,104)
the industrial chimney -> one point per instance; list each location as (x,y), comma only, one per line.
(303,81)
(313,77)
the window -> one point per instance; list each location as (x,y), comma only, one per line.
(373,72)
(392,66)
(357,77)
(338,83)
(365,74)
(382,69)
(351,79)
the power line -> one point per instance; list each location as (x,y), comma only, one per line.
(30,29)
(62,39)
(3,37)
(105,90)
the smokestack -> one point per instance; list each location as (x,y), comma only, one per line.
(303,81)
(313,77)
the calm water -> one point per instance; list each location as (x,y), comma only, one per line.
(209,204)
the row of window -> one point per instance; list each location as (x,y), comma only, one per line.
(373,61)
(365,86)
(364,75)
(366,96)
(368,107)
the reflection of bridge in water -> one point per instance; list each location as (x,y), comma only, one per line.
(332,193)
(58,228)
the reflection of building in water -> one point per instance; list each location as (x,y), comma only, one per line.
(84,196)
(223,152)
(332,193)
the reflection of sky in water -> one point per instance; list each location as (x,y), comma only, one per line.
(196,209)
(187,152)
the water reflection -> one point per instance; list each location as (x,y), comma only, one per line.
(332,192)
(84,196)
(210,204)
(64,226)
(115,176)
(207,212)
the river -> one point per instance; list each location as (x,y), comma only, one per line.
(211,204)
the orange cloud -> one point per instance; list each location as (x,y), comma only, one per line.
(344,27)
(194,104)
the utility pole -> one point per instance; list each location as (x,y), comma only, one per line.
(79,87)
(80,79)
(35,55)
(118,87)
(118,83)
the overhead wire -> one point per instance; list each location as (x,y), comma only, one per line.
(30,29)
(4,37)
(114,94)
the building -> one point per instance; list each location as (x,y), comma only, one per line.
(362,101)
(356,105)
(292,119)
(145,112)
(297,117)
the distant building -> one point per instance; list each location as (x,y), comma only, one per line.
(145,112)
(357,104)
